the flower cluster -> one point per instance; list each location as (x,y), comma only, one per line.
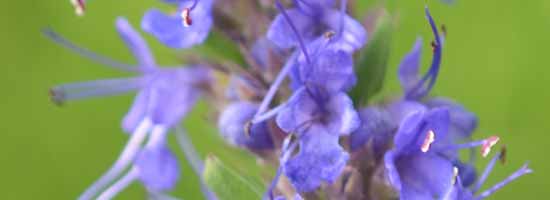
(326,145)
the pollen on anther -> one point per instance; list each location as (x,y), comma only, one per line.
(79,7)
(488,144)
(430,138)
(57,96)
(186,17)
(455,175)
(502,156)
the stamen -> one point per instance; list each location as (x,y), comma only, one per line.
(119,185)
(421,90)
(286,69)
(193,159)
(87,53)
(485,144)
(522,171)
(126,157)
(287,150)
(488,144)
(186,14)
(74,91)
(485,173)
(79,7)
(157,136)
(503,155)
(430,138)
(187,21)
(269,114)
(455,175)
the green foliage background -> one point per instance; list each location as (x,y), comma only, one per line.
(495,63)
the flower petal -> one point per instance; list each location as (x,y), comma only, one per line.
(321,159)
(170,30)
(376,124)
(298,111)
(463,122)
(158,168)
(232,124)
(354,35)
(136,44)
(409,68)
(423,174)
(281,33)
(137,112)
(342,118)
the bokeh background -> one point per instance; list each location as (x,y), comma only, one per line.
(496,62)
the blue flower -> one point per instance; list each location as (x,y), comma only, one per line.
(189,27)
(165,96)
(413,170)
(232,125)
(377,126)
(310,26)
(318,123)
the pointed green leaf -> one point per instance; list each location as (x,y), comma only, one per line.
(227,183)
(373,62)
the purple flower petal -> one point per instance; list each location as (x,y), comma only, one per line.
(376,124)
(136,44)
(321,159)
(281,33)
(424,175)
(170,30)
(463,122)
(354,35)
(137,112)
(158,168)
(232,124)
(336,114)
(409,74)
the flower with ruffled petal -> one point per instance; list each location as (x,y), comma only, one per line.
(412,169)
(311,19)
(318,122)
(232,125)
(377,126)
(190,26)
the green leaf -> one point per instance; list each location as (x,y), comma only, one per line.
(227,183)
(373,62)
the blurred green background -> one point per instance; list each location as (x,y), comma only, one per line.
(495,63)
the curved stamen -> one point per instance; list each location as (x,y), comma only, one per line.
(486,173)
(87,53)
(125,158)
(118,186)
(287,68)
(294,30)
(186,14)
(486,145)
(520,172)
(421,90)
